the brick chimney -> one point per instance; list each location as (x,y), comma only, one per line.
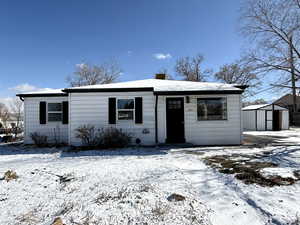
(160,76)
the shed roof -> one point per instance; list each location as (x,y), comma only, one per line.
(262,107)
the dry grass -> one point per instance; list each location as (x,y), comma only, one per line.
(29,218)
(247,169)
(10,175)
(160,209)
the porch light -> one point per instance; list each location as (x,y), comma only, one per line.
(187,99)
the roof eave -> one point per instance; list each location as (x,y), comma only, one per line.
(203,92)
(43,95)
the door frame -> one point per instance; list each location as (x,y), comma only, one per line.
(166,117)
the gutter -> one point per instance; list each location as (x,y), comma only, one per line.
(42,95)
(215,92)
(156,126)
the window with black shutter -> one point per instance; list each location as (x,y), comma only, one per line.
(65,119)
(138,110)
(112,110)
(43,112)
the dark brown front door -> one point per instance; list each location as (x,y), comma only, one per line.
(175,120)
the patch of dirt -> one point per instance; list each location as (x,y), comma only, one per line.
(247,169)
(175,198)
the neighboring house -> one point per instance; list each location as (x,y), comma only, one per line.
(154,111)
(286,101)
(265,117)
(12,122)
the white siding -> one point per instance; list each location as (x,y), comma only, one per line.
(92,108)
(269,120)
(285,120)
(261,120)
(249,120)
(32,121)
(205,132)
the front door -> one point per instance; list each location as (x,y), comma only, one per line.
(175,120)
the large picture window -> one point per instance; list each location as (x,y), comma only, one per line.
(54,112)
(125,109)
(212,108)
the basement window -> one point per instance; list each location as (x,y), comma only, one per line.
(125,109)
(54,112)
(212,109)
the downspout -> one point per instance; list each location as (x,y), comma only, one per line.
(273,117)
(156,128)
(256,119)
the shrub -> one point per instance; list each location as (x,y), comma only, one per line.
(104,138)
(10,175)
(88,135)
(39,140)
(115,138)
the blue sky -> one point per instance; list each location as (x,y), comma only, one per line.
(42,41)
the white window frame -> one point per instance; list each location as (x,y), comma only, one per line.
(61,112)
(120,110)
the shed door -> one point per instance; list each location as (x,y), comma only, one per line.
(276,120)
(175,120)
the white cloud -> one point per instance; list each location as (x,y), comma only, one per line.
(162,56)
(81,65)
(21,88)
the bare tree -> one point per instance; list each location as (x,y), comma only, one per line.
(190,68)
(86,74)
(273,26)
(4,116)
(255,102)
(237,73)
(17,110)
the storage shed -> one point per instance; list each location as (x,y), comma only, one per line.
(265,117)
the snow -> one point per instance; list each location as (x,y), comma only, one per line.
(118,186)
(291,136)
(45,91)
(283,172)
(253,107)
(156,84)
(163,85)
(263,107)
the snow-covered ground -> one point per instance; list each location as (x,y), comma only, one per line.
(131,186)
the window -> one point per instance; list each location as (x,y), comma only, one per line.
(125,109)
(174,104)
(54,112)
(212,108)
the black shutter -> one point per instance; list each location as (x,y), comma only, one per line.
(138,110)
(112,110)
(42,112)
(65,116)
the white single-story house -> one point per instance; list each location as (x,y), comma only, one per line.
(155,111)
(265,117)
